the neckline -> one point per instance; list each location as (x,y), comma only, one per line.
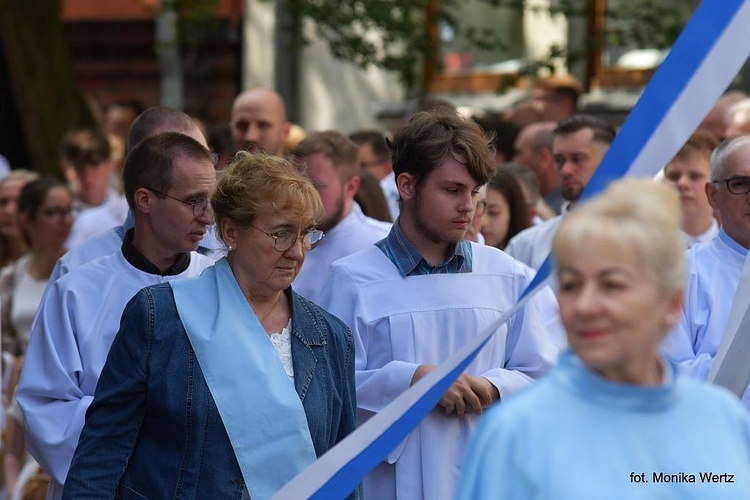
(591,387)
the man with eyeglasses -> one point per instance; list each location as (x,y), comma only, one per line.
(155,120)
(80,313)
(331,160)
(715,267)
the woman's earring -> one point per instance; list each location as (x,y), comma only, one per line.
(229,248)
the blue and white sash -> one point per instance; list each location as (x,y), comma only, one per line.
(702,63)
(260,409)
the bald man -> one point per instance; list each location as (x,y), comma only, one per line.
(259,121)
(533,148)
(738,118)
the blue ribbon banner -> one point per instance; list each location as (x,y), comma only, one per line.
(703,61)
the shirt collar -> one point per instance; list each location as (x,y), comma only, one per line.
(140,262)
(409,261)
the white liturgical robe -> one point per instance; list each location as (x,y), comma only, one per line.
(355,232)
(714,269)
(105,243)
(531,246)
(71,336)
(400,323)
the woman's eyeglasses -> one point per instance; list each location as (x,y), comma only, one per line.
(284,240)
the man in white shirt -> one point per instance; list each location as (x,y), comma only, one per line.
(414,298)
(578,147)
(80,313)
(688,172)
(714,268)
(332,165)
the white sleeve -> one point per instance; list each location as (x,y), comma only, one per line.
(49,392)
(379,378)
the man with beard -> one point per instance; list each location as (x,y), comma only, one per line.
(259,121)
(332,164)
(417,296)
(578,147)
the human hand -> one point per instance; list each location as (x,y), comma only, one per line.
(468,394)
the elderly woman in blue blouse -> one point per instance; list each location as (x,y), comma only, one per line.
(613,420)
(229,384)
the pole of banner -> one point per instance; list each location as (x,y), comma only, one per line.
(703,61)
(731,365)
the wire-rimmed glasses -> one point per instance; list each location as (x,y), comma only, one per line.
(284,239)
(200,205)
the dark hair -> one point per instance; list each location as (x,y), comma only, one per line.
(333,144)
(371,199)
(429,138)
(603,131)
(504,133)
(561,86)
(34,192)
(527,180)
(32,196)
(375,139)
(158,119)
(150,164)
(506,183)
(85,146)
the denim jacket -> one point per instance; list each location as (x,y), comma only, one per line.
(153,429)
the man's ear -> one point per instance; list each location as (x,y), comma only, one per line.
(351,187)
(407,186)
(547,160)
(143,199)
(711,194)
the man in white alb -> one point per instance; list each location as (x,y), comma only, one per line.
(331,160)
(80,313)
(714,268)
(579,145)
(153,121)
(417,296)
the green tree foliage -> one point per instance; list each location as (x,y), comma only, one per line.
(393,34)
(48,100)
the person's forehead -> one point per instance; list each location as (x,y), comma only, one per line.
(695,161)
(365,151)
(524,137)
(452,170)
(738,162)
(258,108)
(579,139)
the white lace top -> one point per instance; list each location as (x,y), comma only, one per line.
(282,342)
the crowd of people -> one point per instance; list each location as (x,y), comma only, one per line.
(183,321)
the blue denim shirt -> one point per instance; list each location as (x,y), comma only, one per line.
(153,429)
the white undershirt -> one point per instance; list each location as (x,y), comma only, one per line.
(282,342)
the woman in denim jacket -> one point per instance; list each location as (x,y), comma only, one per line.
(229,384)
